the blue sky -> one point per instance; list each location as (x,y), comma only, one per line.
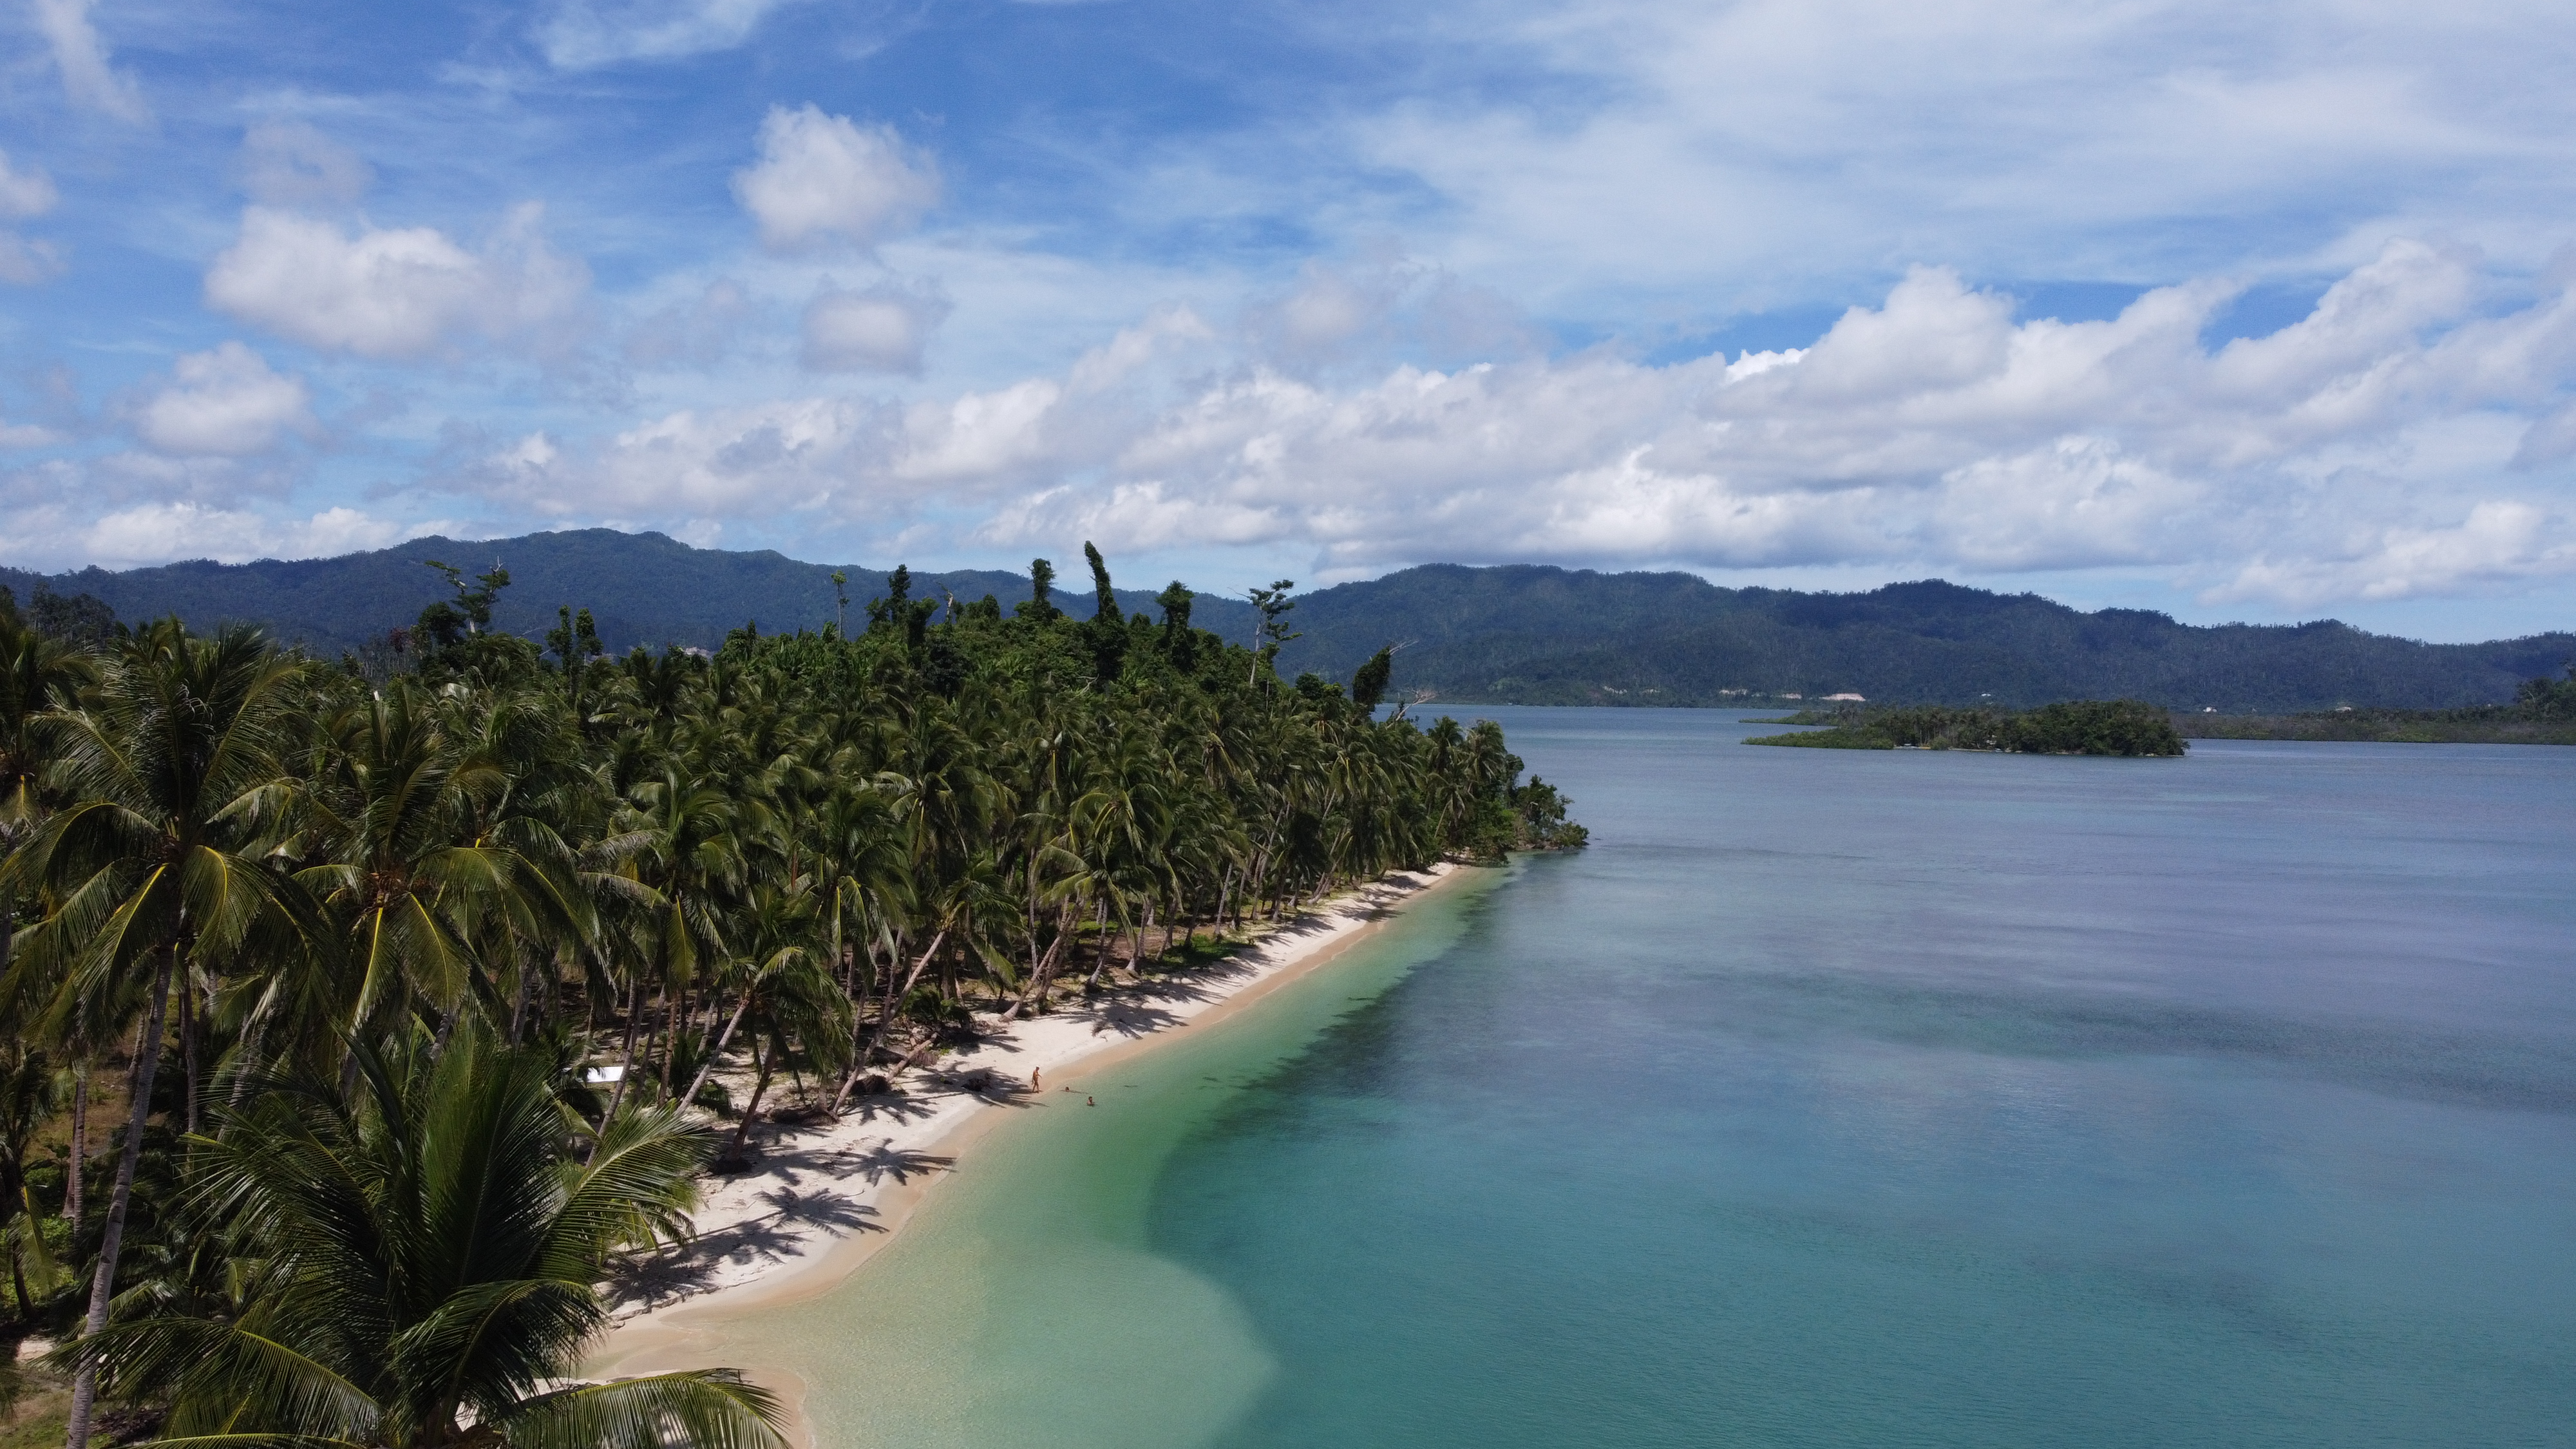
(2239,312)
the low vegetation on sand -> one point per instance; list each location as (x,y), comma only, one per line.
(2124,727)
(2542,713)
(353,1019)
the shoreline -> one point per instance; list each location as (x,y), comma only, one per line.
(821,1200)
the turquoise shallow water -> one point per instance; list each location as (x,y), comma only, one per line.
(1832,1098)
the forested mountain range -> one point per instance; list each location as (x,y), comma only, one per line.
(1518,634)
(641,588)
(1536,635)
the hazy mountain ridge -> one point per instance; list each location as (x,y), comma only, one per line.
(641,588)
(1516,634)
(1553,636)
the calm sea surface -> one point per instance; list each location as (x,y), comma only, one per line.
(1831,1098)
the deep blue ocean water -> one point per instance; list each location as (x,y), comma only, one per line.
(1832,1098)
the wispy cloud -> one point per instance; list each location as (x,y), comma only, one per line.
(80,55)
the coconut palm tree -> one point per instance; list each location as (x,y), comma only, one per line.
(790,999)
(169,768)
(427,1252)
(806,844)
(415,863)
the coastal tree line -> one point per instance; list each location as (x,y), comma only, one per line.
(2125,727)
(356,1015)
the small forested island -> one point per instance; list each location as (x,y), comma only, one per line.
(355,1016)
(2124,727)
(2543,712)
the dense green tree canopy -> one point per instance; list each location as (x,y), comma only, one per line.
(381,922)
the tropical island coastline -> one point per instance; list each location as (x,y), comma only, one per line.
(295,954)
(829,1195)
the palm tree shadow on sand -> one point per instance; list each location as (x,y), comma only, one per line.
(688,1269)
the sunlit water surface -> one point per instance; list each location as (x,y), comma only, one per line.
(1831,1098)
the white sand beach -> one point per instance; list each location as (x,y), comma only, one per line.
(819,1198)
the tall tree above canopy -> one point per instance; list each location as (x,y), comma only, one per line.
(1273,604)
(1104,598)
(446,622)
(1040,604)
(1368,686)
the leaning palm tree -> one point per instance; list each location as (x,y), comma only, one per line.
(426,1254)
(167,768)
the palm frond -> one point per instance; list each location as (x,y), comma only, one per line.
(701,1409)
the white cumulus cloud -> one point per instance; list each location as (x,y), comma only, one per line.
(2498,542)
(1934,431)
(821,178)
(392,291)
(2401,440)
(766,459)
(224,402)
(880,329)
(159,532)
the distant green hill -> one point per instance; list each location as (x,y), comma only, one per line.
(1535,635)
(641,588)
(1522,634)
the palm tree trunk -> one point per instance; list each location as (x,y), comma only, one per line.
(634,1003)
(246,1058)
(715,1050)
(678,1011)
(652,1033)
(751,1109)
(885,1019)
(147,1063)
(1100,962)
(858,1026)
(519,1008)
(188,1049)
(15,1190)
(80,1146)
(1038,977)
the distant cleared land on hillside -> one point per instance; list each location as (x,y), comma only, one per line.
(1510,635)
